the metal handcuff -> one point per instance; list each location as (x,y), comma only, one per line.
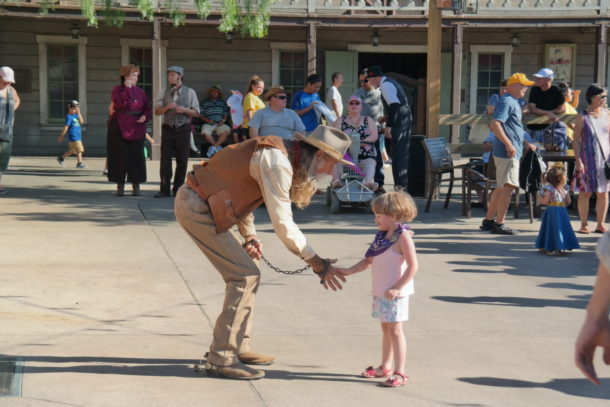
(320,274)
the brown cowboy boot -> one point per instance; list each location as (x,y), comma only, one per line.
(253,358)
(237,371)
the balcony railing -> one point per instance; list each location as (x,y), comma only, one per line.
(403,8)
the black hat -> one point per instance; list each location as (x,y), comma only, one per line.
(73,103)
(374,71)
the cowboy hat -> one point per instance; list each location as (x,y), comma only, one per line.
(217,88)
(328,140)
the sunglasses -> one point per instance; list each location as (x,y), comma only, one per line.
(364,81)
(281,97)
(354,103)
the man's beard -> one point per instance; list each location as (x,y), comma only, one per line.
(304,184)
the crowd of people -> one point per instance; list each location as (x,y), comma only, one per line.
(277,156)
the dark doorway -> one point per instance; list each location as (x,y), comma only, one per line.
(411,65)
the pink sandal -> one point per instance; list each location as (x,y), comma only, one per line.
(371,372)
(396,380)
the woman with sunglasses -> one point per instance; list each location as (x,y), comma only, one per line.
(366,128)
(592,147)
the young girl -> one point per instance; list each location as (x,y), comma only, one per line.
(556,234)
(392,255)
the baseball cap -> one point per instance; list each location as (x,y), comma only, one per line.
(519,78)
(374,71)
(7,74)
(545,73)
(73,103)
(177,69)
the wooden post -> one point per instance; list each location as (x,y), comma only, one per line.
(601,54)
(434,69)
(311,49)
(158,78)
(456,79)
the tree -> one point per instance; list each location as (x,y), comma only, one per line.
(249,17)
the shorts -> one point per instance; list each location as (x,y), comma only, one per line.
(396,310)
(507,171)
(76,147)
(214,129)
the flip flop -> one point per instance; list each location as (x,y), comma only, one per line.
(584,230)
(600,231)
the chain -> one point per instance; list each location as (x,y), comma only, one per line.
(278,270)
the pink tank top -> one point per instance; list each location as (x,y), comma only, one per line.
(388,268)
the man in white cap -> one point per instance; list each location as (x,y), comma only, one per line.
(177,104)
(223,193)
(9,102)
(545,100)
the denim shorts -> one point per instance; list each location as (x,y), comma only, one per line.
(396,310)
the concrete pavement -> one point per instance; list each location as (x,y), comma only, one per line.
(109,304)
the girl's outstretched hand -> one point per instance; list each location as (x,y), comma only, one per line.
(345,271)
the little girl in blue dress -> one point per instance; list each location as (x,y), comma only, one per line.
(556,234)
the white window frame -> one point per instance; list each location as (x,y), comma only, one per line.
(276,48)
(475,50)
(81,43)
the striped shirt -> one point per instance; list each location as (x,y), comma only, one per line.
(215,110)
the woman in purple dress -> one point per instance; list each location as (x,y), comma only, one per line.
(127,131)
(592,146)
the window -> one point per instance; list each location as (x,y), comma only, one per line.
(62,79)
(292,71)
(142,58)
(489,64)
(288,67)
(62,75)
(489,76)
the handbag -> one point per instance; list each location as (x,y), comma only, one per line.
(555,138)
(601,151)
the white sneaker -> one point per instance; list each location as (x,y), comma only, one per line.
(210,152)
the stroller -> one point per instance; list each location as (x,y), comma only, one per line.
(353,192)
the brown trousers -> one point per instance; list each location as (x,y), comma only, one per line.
(240,273)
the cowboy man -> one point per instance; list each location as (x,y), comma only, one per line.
(223,193)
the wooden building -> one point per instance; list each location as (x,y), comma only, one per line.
(56,57)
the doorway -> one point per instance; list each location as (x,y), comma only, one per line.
(411,74)
(410,65)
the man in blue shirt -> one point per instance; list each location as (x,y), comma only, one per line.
(303,102)
(507,149)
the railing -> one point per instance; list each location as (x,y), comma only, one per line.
(345,8)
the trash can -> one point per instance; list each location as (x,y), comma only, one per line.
(416,176)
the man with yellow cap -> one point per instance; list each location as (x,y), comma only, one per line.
(507,149)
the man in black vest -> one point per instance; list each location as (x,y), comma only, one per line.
(398,122)
(177,104)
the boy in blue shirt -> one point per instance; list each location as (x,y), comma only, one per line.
(73,129)
(303,102)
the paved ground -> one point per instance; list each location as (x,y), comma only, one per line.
(110,304)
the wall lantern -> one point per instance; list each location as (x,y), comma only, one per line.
(375,39)
(228,37)
(515,41)
(75,30)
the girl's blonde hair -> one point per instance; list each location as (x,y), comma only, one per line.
(398,204)
(556,177)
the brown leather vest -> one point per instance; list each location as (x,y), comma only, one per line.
(226,184)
